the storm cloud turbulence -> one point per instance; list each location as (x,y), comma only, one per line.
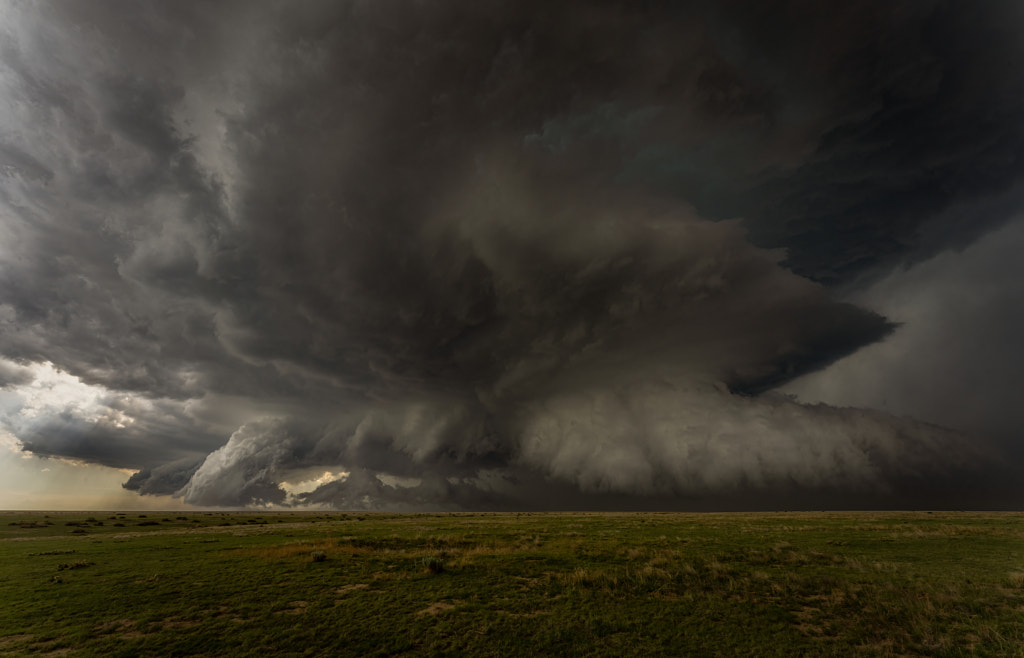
(514,254)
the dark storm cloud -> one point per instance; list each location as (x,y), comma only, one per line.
(11,374)
(853,132)
(119,431)
(472,247)
(925,118)
(165,479)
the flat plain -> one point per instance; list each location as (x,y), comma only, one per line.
(560,584)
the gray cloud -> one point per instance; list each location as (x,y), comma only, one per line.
(647,442)
(498,250)
(165,479)
(120,431)
(969,298)
(11,374)
(244,469)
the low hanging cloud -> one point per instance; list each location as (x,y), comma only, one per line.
(647,443)
(244,470)
(492,256)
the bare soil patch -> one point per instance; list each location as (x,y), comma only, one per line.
(436,608)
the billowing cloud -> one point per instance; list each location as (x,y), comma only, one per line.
(491,255)
(11,374)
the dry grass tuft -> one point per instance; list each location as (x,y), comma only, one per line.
(302,550)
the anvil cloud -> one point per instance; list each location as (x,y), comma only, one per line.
(511,255)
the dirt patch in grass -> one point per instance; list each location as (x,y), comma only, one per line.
(228,613)
(124,628)
(155,578)
(11,640)
(297,608)
(436,608)
(114,626)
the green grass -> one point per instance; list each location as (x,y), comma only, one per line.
(942,584)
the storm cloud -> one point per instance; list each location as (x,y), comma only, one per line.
(494,255)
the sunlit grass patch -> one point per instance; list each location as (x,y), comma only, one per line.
(302,550)
(582,577)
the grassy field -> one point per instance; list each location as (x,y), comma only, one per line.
(281,583)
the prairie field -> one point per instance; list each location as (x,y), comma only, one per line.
(557,584)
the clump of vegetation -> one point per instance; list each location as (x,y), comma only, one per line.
(318,556)
(81,564)
(433,564)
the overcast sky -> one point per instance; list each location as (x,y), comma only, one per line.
(508,254)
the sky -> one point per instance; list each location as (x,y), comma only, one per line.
(512,255)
